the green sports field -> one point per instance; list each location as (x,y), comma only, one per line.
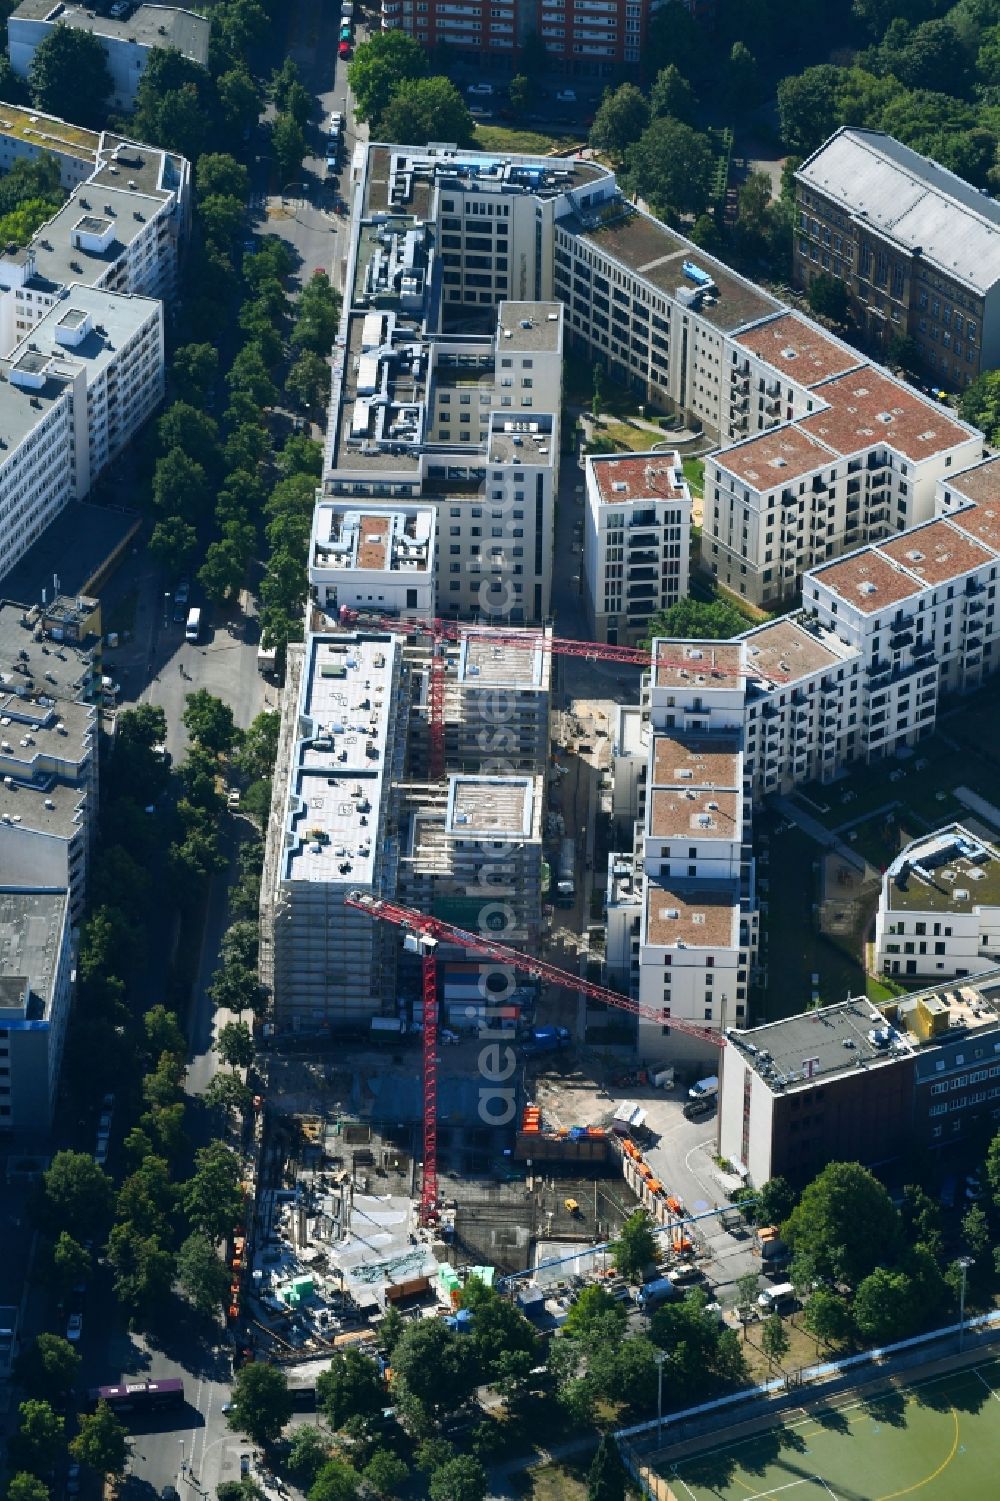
(937,1440)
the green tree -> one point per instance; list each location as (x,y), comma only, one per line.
(289,145)
(379,64)
(460,1479)
(47,1368)
(143,1271)
(828,297)
(827,1317)
(249,372)
(308,381)
(223,570)
(635,1247)
(70,1263)
(102,1442)
(336,1481)
(173,543)
(746,1298)
(240,101)
(223,221)
(219,173)
(705,233)
(39,1440)
(846,1222)
(752,202)
(921,1219)
(596,1317)
(699,620)
(213,1195)
(163,1032)
(671,94)
(671,166)
(257,752)
(235,987)
(261,1404)
(621,118)
(203,1274)
(498,1330)
(22,1486)
(606,1478)
(386,1473)
(235,1045)
(180,488)
(742,79)
(175,103)
(193,372)
(68,76)
(427,109)
(883,1306)
(437,1367)
(318,315)
(307,1454)
(774,1339)
(976,1231)
(519,94)
(76,1196)
(227,1091)
(808,108)
(352,1387)
(979,404)
(209,722)
(390,1330)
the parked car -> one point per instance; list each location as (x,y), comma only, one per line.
(566,96)
(483,90)
(74,1328)
(344,50)
(73,1480)
(696,1110)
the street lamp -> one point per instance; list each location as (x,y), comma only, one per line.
(659,1357)
(964,1262)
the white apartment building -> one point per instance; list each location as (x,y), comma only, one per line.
(681,916)
(36,976)
(372,558)
(939,907)
(76,390)
(128,34)
(637,542)
(332,830)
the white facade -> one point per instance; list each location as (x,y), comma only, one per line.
(939,907)
(127,40)
(76,392)
(376,559)
(637,542)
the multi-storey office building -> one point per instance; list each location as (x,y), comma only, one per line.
(939,907)
(379,559)
(36,970)
(129,33)
(586,37)
(916,247)
(861,1083)
(637,542)
(341,748)
(50,662)
(76,391)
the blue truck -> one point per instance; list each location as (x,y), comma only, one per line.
(653,1294)
(547,1039)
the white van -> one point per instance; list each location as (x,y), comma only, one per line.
(705,1089)
(193,628)
(777,1299)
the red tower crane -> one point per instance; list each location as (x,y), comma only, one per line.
(427,933)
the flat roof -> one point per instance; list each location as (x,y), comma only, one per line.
(950,870)
(695,812)
(784,650)
(68,665)
(517,660)
(490,806)
(76,545)
(867,580)
(936,551)
(980,520)
(119,315)
(645,476)
(31,927)
(48,132)
(521,438)
(347,702)
(826,1043)
(59,262)
(867,409)
(149,25)
(774,458)
(695,914)
(55,808)
(980,483)
(695,761)
(377,538)
(801,350)
(717,664)
(530,325)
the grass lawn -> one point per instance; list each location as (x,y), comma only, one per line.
(616,437)
(694,473)
(523,142)
(555,1483)
(936,1438)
